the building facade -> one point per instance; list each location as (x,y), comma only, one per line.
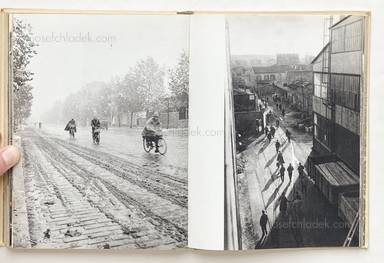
(337,84)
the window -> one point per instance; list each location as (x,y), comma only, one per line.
(346,90)
(338,39)
(320,85)
(183,114)
(348,37)
(353,36)
(323,129)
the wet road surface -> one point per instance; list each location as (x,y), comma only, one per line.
(112,195)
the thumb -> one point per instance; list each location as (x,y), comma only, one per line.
(9,156)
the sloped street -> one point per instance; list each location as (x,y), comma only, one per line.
(310,220)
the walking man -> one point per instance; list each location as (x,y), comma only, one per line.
(277,145)
(300,168)
(280,158)
(288,134)
(272,131)
(263,223)
(283,204)
(282,172)
(266,130)
(290,171)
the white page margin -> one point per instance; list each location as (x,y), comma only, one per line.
(206,132)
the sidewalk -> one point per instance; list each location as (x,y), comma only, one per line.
(261,184)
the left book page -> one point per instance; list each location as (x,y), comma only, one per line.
(3,113)
(100,112)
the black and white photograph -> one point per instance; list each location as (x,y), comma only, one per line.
(298,95)
(100,113)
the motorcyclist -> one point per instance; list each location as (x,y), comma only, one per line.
(95,124)
(152,130)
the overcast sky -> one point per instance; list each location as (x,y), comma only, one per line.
(270,35)
(112,44)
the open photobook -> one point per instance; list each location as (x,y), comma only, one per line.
(219,131)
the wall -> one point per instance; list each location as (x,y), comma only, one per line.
(344,150)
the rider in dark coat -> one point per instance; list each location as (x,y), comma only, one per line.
(152,130)
(95,123)
(71,125)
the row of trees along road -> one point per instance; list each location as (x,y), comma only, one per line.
(23,49)
(142,88)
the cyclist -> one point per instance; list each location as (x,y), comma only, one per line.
(95,124)
(152,130)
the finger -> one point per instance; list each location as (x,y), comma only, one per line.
(9,156)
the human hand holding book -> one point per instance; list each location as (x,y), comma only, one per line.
(9,156)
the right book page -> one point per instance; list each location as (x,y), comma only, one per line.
(296,121)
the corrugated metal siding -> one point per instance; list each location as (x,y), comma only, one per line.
(348,119)
(346,62)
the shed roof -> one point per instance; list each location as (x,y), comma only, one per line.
(337,173)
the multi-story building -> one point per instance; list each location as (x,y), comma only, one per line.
(338,81)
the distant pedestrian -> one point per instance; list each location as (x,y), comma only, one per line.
(283,204)
(282,172)
(277,123)
(280,158)
(290,171)
(303,185)
(288,134)
(273,131)
(266,130)
(300,169)
(263,223)
(47,234)
(283,112)
(277,145)
(269,136)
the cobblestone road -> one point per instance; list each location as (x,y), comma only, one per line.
(79,197)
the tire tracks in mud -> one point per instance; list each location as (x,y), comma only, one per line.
(166,186)
(43,218)
(64,164)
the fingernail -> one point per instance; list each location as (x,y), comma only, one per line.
(10,156)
